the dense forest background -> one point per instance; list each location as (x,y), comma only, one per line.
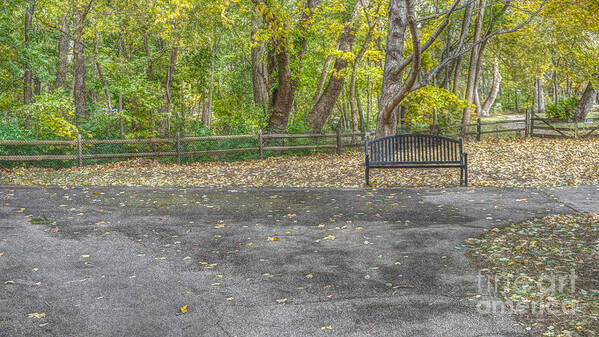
(110,69)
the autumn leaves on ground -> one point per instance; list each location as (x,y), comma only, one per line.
(493,162)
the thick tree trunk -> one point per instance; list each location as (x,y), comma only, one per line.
(322,110)
(472,73)
(63,49)
(486,108)
(393,85)
(28,76)
(586,103)
(284,94)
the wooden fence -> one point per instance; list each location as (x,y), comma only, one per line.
(530,126)
(261,140)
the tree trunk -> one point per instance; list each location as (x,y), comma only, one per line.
(541,95)
(259,71)
(166,108)
(28,76)
(361,114)
(79,89)
(322,110)
(472,73)
(283,96)
(284,93)
(182,117)
(207,113)
(149,71)
(586,103)
(392,74)
(486,108)
(555,88)
(323,79)
(63,49)
(352,88)
(102,78)
(79,77)
(535,99)
(458,62)
(120,106)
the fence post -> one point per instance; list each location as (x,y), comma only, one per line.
(478,129)
(338,141)
(260,151)
(527,124)
(178,148)
(531,133)
(79,151)
(575,129)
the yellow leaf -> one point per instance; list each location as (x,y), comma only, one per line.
(184,309)
(37,315)
(273,238)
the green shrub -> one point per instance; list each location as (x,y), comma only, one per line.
(563,110)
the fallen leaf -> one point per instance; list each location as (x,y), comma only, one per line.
(37,315)
(273,238)
(282,301)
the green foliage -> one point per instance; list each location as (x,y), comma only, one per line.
(422,105)
(563,110)
(51,115)
(11,129)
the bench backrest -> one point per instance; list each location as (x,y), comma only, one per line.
(414,148)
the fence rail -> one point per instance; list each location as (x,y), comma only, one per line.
(544,127)
(176,143)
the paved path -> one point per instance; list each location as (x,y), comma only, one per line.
(124,260)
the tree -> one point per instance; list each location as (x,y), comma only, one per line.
(402,18)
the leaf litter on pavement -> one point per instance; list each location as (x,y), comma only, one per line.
(546,271)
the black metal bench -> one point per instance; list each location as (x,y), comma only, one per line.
(416,151)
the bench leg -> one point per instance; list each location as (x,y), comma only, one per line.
(462,176)
(466,169)
(367,176)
